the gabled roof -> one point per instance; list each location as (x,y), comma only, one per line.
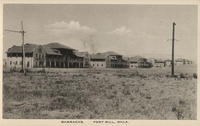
(56,45)
(28,48)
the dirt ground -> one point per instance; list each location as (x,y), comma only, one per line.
(101,94)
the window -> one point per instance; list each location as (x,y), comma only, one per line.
(101,64)
(93,64)
(28,64)
(40,63)
(36,64)
(10,62)
(36,55)
(16,63)
(20,62)
(97,64)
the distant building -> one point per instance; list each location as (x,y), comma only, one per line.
(159,63)
(133,62)
(151,60)
(108,60)
(168,62)
(98,61)
(115,60)
(143,63)
(186,61)
(179,61)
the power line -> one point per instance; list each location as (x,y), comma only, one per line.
(22,32)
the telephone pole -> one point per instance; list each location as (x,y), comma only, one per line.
(173,36)
(23,51)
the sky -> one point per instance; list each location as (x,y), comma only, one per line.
(144,30)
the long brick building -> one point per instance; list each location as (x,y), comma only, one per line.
(52,55)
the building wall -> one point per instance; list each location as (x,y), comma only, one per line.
(116,62)
(133,65)
(168,63)
(86,62)
(178,63)
(16,62)
(98,64)
(144,64)
(39,56)
(159,64)
(151,60)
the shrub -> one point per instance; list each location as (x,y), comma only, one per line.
(195,75)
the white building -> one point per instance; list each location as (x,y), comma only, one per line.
(168,62)
(14,57)
(98,64)
(16,62)
(98,61)
(133,64)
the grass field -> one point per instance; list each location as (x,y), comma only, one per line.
(101,94)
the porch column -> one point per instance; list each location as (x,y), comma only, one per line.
(67,64)
(63,65)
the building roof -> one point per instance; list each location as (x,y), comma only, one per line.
(28,48)
(168,60)
(81,54)
(111,53)
(179,60)
(159,61)
(56,45)
(51,51)
(135,58)
(98,56)
(125,58)
(142,60)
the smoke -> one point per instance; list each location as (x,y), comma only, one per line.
(90,43)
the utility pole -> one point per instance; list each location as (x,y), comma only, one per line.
(23,51)
(173,36)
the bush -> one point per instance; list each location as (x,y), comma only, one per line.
(195,75)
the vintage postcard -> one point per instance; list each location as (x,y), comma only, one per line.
(99,64)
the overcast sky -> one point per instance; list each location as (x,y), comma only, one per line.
(126,29)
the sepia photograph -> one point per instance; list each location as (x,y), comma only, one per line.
(99,61)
